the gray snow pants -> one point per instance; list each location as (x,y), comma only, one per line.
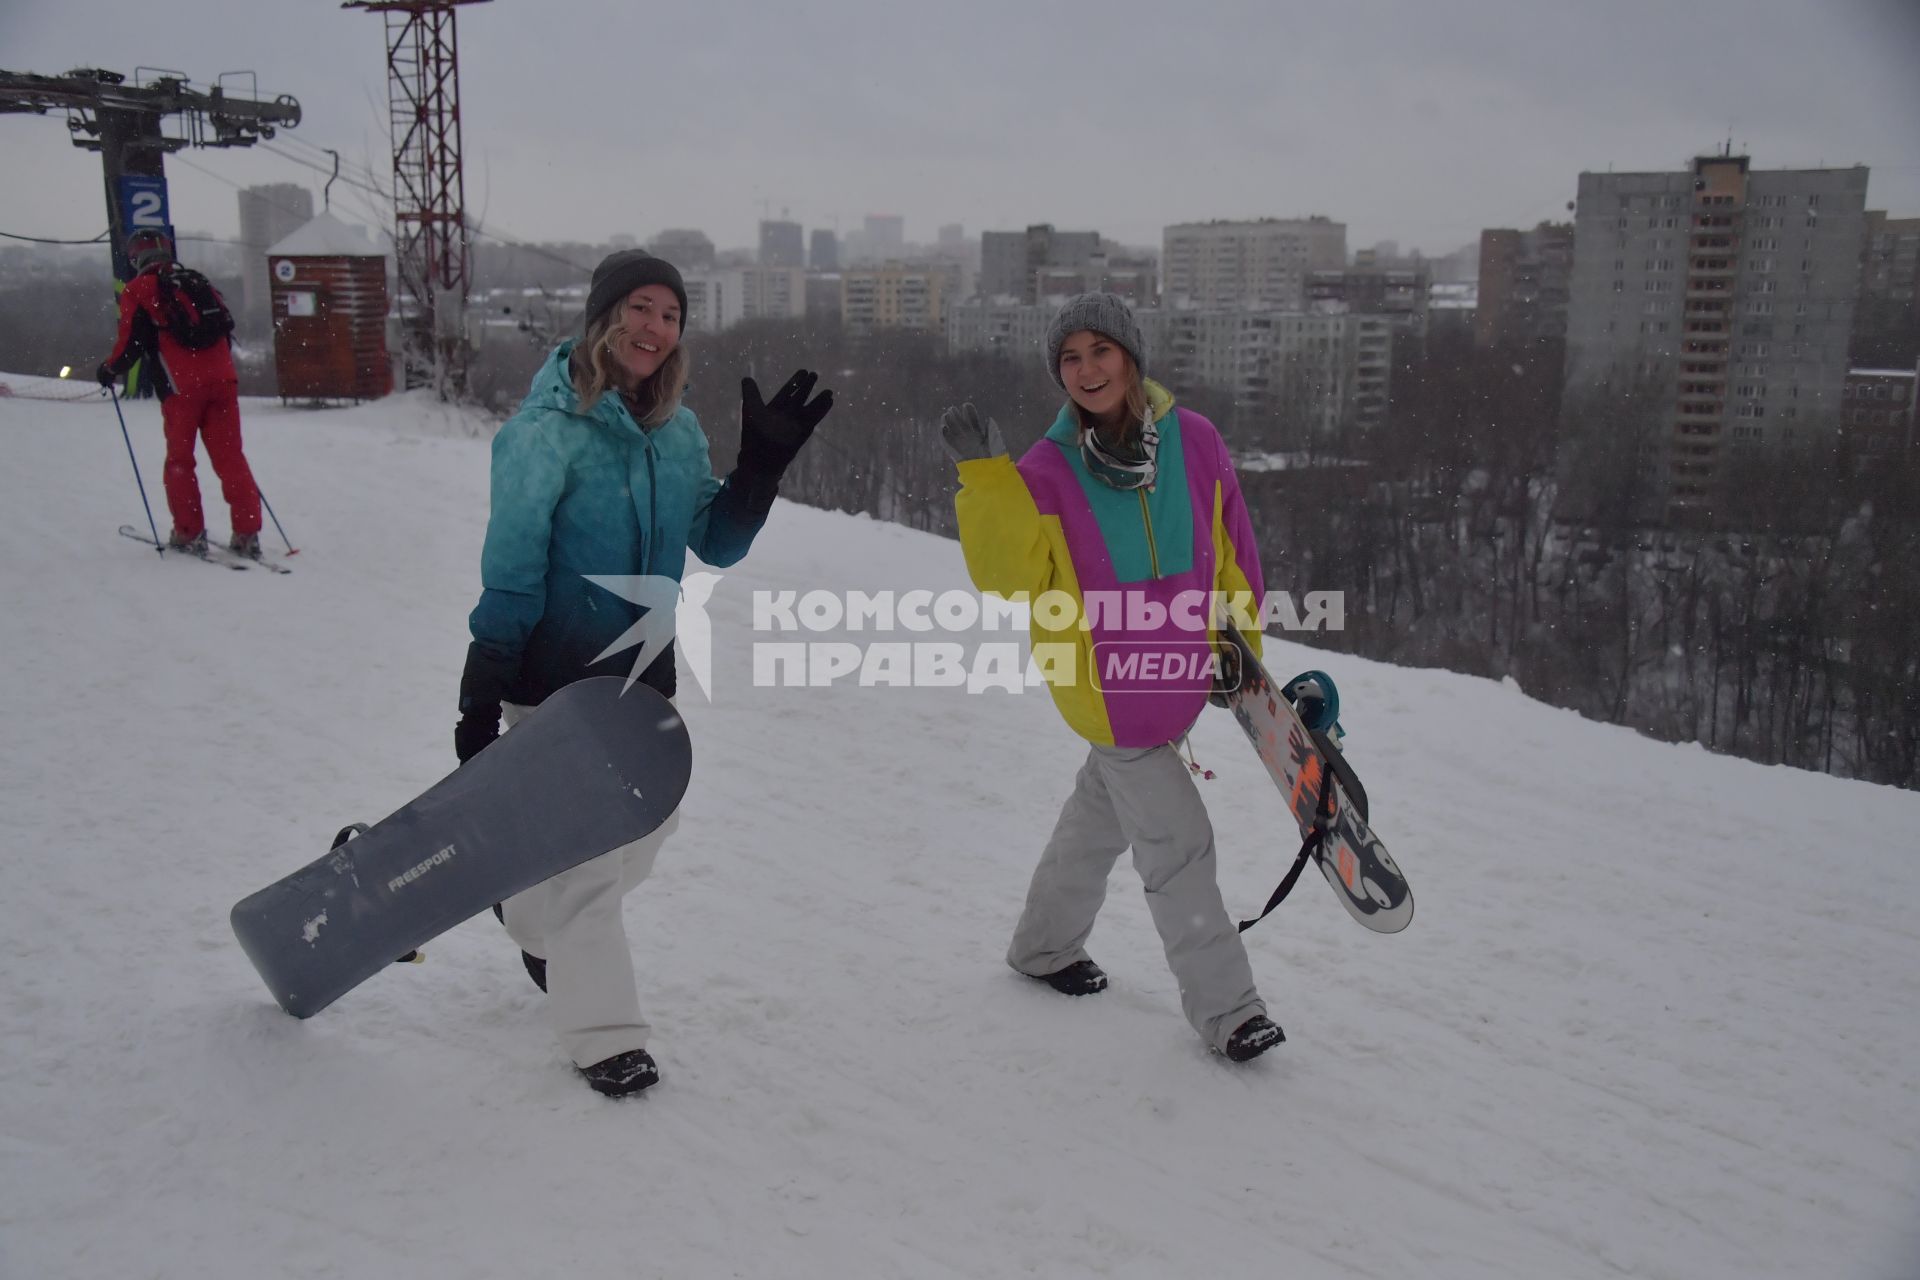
(574,922)
(1144,798)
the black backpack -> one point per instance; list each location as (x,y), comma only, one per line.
(194,312)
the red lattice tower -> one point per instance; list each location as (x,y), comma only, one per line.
(429,186)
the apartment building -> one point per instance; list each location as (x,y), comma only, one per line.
(782,244)
(1259,265)
(1877,410)
(1400,293)
(1011,262)
(1891,269)
(1317,374)
(1525,285)
(1724,293)
(898,295)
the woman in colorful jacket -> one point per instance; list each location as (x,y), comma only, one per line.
(1128,513)
(603,471)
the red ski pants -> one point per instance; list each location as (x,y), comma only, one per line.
(212,414)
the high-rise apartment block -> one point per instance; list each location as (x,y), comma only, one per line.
(1724,294)
(1399,293)
(1011,262)
(1891,272)
(1016,330)
(1525,281)
(1261,265)
(1312,375)
(772,293)
(720,298)
(685,248)
(898,295)
(1318,375)
(823,250)
(708,302)
(782,244)
(1877,408)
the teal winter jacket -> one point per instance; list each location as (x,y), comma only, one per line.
(593,493)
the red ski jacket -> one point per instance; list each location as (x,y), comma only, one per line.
(143,332)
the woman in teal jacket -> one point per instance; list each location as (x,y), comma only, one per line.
(604,472)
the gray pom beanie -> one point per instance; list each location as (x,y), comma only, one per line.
(1106,313)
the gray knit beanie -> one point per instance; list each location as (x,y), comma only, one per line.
(619,274)
(1106,313)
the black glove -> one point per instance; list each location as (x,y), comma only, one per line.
(104,375)
(483,687)
(772,434)
(474,734)
(1226,680)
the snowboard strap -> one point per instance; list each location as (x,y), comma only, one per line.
(1315,838)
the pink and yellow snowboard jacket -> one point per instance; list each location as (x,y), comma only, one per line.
(1128,673)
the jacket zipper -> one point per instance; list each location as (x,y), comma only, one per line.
(1153,553)
(653,508)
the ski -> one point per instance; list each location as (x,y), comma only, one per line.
(205,554)
(227,555)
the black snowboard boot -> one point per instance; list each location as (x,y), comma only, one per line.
(623,1073)
(1081,978)
(1254,1037)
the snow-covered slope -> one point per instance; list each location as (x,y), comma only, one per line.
(1658,1014)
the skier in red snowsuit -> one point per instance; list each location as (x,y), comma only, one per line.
(199,396)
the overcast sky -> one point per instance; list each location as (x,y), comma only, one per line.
(1420,121)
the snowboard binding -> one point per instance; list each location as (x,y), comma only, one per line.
(1317,699)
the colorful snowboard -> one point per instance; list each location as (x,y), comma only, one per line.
(1361,871)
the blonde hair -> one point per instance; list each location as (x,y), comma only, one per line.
(1138,408)
(655,400)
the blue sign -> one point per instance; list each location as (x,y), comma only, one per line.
(143,203)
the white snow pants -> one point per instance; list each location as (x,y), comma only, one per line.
(573,921)
(1144,798)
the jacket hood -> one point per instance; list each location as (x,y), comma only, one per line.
(553,389)
(553,385)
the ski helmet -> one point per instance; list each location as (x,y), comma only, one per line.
(147,246)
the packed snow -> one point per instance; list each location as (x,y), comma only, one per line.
(1657,1015)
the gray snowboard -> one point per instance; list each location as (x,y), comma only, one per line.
(588,771)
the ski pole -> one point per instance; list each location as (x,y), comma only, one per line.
(291,550)
(158,546)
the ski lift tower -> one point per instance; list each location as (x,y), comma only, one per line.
(430,239)
(123,123)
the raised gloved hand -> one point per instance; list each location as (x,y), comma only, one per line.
(483,687)
(104,376)
(968,436)
(773,432)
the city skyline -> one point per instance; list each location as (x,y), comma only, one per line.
(1405,124)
